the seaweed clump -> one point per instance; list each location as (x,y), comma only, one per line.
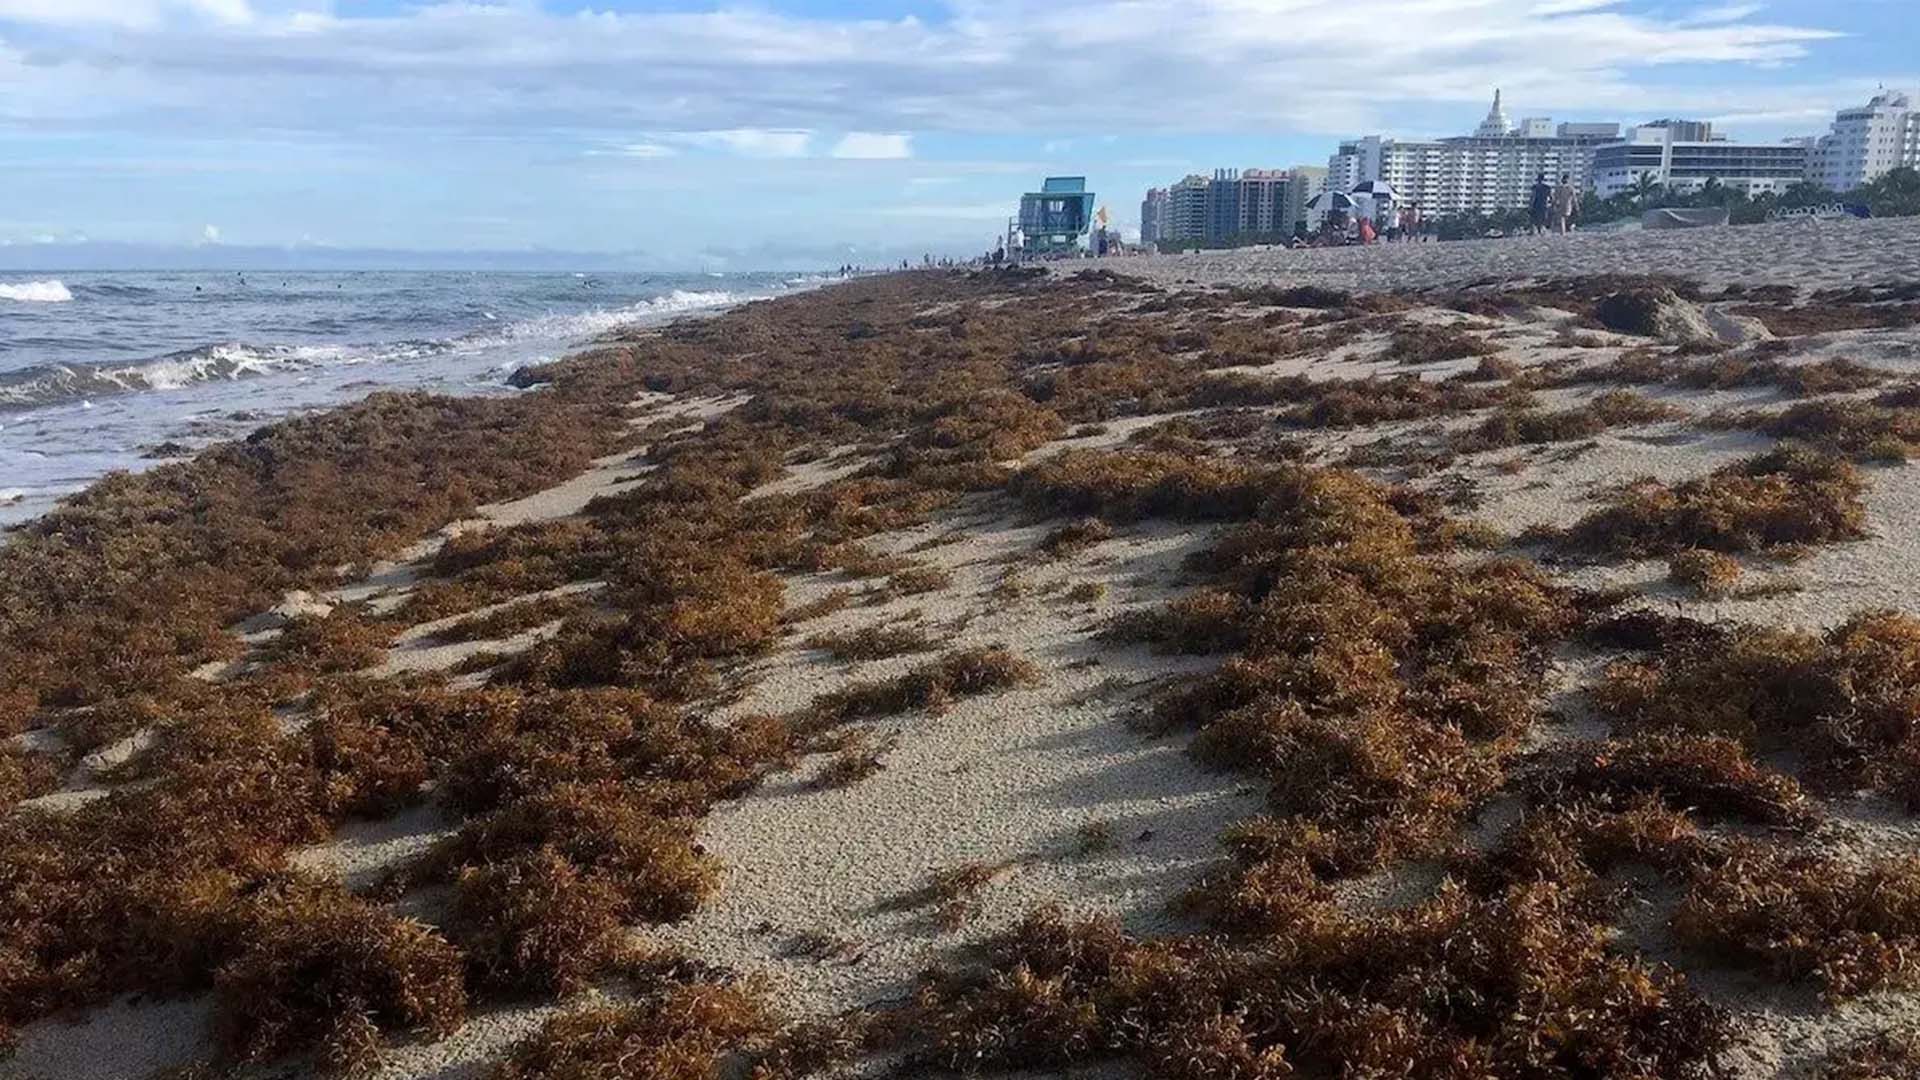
(1786,497)
(931,686)
(1847,698)
(683,1032)
(316,968)
(1454,987)
(1851,930)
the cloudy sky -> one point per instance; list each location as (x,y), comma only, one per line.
(785,131)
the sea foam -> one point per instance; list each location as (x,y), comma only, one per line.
(35,292)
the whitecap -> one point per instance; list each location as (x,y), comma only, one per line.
(35,292)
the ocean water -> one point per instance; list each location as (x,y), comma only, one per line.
(103,371)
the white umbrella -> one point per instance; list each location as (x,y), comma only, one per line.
(1375,189)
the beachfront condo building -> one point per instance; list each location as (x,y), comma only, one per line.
(1153,212)
(1491,170)
(1230,204)
(1866,143)
(1684,156)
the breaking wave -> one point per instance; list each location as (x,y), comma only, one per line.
(55,384)
(35,292)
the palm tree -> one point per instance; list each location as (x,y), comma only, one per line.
(1645,187)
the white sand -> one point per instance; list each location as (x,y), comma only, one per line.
(1809,254)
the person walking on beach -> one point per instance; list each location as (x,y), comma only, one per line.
(1566,200)
(1538,204)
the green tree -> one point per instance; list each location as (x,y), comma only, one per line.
(1645,187)
(1896,194)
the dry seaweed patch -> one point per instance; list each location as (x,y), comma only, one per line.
(1786,497)
(1490,369)
(315,968)
(1455,987)
(135,580)
(952,892)
(1202,622)
(1888,1055)
(684,1032)
(1728,371)
(516,617)
(858,758)
(1707,574)
(915,580)
(1129,485)
(1851,930)
(1711,775)
(1826,317)
(26,774)
(1435,344)
(1847,699)
(872,642)
(1069,540)
(1859,430)
(342,640)
(1515,427)
(931,686)
(1749,369)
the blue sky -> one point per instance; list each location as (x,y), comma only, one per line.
(804,132)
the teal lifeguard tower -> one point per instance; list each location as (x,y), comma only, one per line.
(1056,219)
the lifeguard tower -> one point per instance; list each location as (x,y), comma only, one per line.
(1056,219)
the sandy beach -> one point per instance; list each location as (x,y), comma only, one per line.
(1806,253)
(1492,610)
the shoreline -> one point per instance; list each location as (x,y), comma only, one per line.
(936,545)
(215,403)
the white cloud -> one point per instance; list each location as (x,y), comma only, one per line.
(752,82)
(986,211)
(636,150)
(873,144)
(210,234)
(122,13)
(750,142)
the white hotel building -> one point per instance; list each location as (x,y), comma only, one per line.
(1866,143)
(1492,169)
(1682,156)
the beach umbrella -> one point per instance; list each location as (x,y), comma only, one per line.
(1331,200)
(1375,189)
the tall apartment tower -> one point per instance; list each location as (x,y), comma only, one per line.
(1230,204)
(1866,143)
(1153,216)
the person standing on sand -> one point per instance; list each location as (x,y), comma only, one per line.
(1538,204)
(1566,200)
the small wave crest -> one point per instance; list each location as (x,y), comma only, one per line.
(35,292)
(587,324)
(56,384)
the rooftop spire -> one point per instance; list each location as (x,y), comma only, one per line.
(1496,122)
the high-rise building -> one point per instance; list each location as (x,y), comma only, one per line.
(1153,215)
(1491,170)
(1230,203)
(1186,217)
(1866,143)
(1683,156)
